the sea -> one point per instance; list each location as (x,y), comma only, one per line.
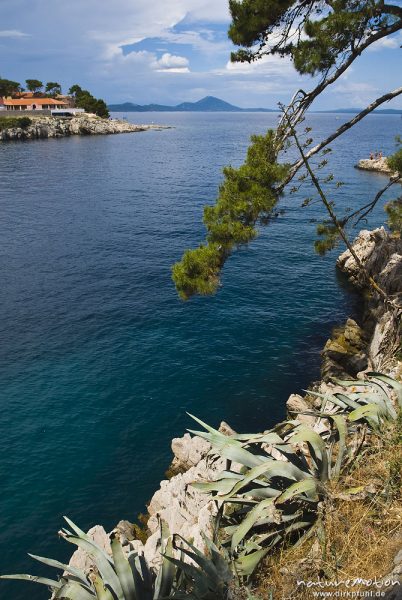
(100,362)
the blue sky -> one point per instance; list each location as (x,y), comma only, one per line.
(166,51)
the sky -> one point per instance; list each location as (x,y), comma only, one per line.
(167,51)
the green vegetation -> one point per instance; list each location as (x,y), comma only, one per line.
(127,576)
(84,99)
(394,207)
(34,85)
(8,87)
(53,88)
(321,38)
(269,497)
(275,496)
(8,122)
(247,196)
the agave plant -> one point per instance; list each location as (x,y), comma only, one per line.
(129,577)
(372,404)
(269,491)
(274,480)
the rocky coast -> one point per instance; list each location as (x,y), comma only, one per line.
(81,124)
(376,165)
(352,350)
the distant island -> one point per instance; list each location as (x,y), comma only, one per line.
(213,104)
(207,104)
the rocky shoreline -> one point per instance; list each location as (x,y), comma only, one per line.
(81,124)
(352,350)
(376,165)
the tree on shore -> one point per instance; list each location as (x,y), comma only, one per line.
(34,85)
(53,88)
(9,87)
(322,38)
(84,99)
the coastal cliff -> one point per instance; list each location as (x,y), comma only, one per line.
(352,350)
(81,124)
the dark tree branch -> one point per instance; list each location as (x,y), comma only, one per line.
(392,9)
(301,105)
(367,208)
(348,125)
(335,220)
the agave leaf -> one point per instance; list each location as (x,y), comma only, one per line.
(387,410)
(105,568)
(199,558)
(262,492)
(367,410)
(270,468)
(192,573)
(205,563)
(141,575)
(266,506)
(396,385)
(341,426)
(43,580)
(123,569)
(258,438)
(222,486)
(102,592)
(245,565)
(166,573)
(58,565)
(231,449)
(81,534)
(297,526)
(350,382)
(315,441)
(221,564)
(307,486)
(347,400)
(74,591)
(385,401)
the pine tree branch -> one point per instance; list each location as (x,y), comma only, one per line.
(309,97)
(348,125)
(372,283)
(367,208)
(392,9)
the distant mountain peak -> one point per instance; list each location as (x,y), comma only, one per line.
(206,104)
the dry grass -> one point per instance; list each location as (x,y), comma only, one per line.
(358,532)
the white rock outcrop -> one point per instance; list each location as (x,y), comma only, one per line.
(381,254)
(81,124)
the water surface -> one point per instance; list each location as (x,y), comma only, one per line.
(99,360)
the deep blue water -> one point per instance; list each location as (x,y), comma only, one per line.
(99,360)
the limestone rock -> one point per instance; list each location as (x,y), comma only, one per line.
(381,254)
(296,405)
(345,354)
(374,249)
(80,124)
(188,451)
(80,559)
(378,165)
(126,531)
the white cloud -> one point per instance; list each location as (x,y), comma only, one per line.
(13,33)
(351,87)
(172,63)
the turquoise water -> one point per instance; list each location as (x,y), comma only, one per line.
(99,360)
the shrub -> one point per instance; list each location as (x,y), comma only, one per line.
(8,122)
